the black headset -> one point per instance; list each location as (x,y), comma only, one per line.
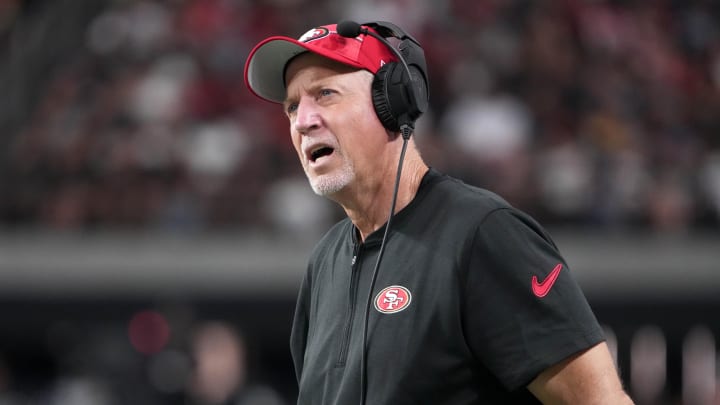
(399,89)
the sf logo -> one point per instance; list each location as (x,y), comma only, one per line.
(392,299)
(314,33)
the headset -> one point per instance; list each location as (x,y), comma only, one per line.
(400,96)
(400,89)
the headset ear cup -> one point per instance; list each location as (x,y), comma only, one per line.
(381,99)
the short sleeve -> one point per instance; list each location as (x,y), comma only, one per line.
(523,311)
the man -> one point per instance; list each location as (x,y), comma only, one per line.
(472,303)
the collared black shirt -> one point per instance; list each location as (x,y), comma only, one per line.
(472,301)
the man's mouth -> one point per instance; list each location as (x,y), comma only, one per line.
(320,152)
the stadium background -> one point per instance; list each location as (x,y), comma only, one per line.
(144,191)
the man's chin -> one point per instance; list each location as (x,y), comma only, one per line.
(328,185)
(325,190)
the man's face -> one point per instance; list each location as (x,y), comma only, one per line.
(333,124)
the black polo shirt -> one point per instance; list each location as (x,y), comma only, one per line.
(472,301)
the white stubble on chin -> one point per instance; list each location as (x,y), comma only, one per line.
(331,183)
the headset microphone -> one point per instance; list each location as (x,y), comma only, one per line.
(350,29)
(399,98)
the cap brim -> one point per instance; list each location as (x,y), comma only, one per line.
(265,68)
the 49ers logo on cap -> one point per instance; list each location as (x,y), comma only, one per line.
(313,34)
(393,299)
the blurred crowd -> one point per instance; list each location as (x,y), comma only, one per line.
(153,359)
(602,113)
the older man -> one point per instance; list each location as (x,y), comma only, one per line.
(431,291)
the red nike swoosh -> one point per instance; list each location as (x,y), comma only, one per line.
(542,289)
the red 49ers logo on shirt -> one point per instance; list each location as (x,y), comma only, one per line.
(393,299)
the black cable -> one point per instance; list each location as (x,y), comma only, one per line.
(406,132)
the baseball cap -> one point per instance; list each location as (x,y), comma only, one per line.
(265,67)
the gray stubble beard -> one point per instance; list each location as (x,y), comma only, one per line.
(328,184)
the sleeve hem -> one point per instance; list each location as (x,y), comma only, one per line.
(556,354)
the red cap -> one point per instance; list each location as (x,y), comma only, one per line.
(265,67)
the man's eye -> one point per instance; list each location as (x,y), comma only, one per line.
(291,108)
(325,92)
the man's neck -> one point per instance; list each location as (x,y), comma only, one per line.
(368,209)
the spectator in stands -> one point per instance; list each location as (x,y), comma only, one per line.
(221,376)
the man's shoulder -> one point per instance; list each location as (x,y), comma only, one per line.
(474,205)
(455,194)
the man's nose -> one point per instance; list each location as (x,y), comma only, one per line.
(307,115)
